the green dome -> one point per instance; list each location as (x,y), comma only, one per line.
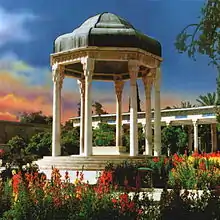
(106,30)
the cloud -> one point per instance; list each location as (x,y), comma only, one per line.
(6,116)
(20,92)
(13,26)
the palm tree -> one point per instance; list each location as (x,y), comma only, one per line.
(207,100)
(184,104)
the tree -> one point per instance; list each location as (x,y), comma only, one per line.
(40,144)
(184,104)
(68,125)
(174,139)
(70,141)
(206,100)
(35,117)
(98,108)
(203,37)
(104,135)
(138,101)
(17,155)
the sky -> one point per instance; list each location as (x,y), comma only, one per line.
(28,29)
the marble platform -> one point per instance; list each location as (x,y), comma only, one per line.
(91,165)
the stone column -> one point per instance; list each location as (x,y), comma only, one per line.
(148,129)
(119,85)
(214,137)
(58,76)
(81,84)
(133,69)
(157,115)
(196,142)
(88,67)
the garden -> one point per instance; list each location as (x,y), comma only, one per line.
(122,192)
(190,185)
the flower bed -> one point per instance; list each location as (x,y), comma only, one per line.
(198,171)
(31,196)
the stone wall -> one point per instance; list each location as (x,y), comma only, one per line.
(9,129)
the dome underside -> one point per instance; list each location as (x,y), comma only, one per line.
(103,70)
(106,30)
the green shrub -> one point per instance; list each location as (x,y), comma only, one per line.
(40,144)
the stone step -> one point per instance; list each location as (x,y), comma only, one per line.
(88,163)
(94,158)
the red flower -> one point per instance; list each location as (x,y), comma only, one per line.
(16,181)
(156,159)
(202,165)
(104,183)
(2,152)
(114,200)
(166,160)
(125,203)
(177,159)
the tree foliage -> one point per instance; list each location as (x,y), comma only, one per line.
(174,139)
(17,155)
(104,135)
(206,100)
(35,117)
(40,144)
(98,108)
(203,37)
(126,138)
(138,100)
(70,140)
(184,104)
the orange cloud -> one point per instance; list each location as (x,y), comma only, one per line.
(16,96)
(6,116)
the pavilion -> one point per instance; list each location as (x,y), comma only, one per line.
(107,48)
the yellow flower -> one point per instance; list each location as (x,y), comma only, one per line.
(76,181)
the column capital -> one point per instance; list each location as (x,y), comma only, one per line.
(119,85)
(58,74)
(88,66)
(133,68)
(148,82)
(195,122)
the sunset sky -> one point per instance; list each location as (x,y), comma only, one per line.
(29,27)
